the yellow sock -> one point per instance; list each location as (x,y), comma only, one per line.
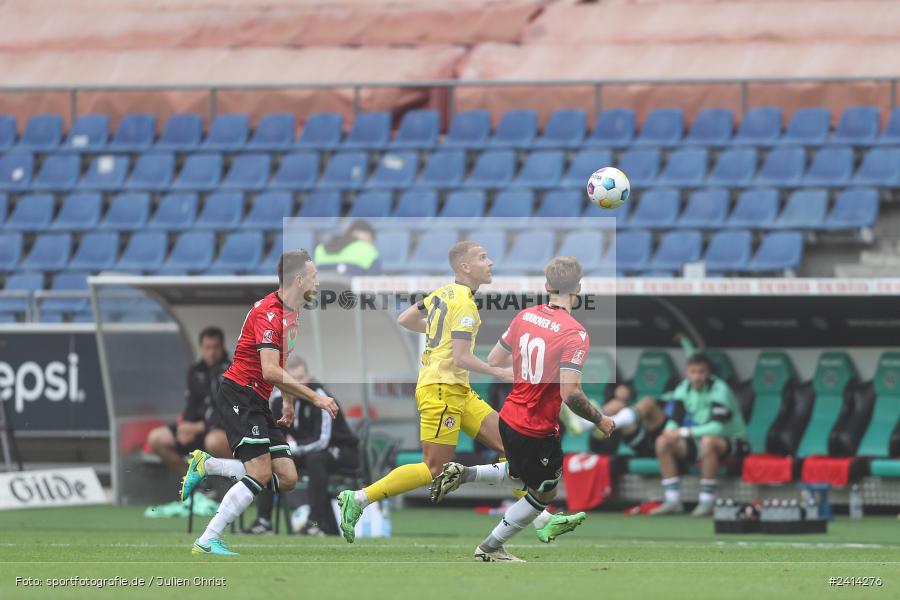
(516,491)
(400,480)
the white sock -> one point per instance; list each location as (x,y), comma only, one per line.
(236,501)
(542,519)
(225,467)
(496,474)
(672,493)
(625,418)
(362,498)
(514,520)
(707,491)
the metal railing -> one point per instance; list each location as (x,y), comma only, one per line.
(449,85)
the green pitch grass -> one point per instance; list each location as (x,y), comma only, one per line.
(429,557)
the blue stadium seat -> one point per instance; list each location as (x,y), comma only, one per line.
(614,129)
(295,239)
(241,253)
(675,249)
(492,240)
(136,133)
(144,253)
(529,253)
(33,212)
(67,281)
(395,170)
(89,133)
(755,209)
(632,251)
(469,130)
(706,209)
(47,316)
(712,127)
(16,169)
(831,167)
(128,211)
(58,173)
(183,133)
(517,129)
(269,264)
(684,168)
(779,251)
(7,132)
(274,133)
(808,127)
(79,212)
(97,251)
(268,210)
(50,252)
(559,204)
(656,209)
(783,167)
(564,129)
(297,171)
(467,204)
(152,172)
(493,169)
(853,209)
(541,170)
(221,211)
(418,130)
(193,252)
(322,131)
(371,205)
(858,126)
(248,172)
(320,210)
(583,165)
(728,251)
(586,246)
(663,128)
(891,134)
(444,169)
(4,207)
(176,212)
(430,253)
(345,171)
(43,133)
(228,133)
(616,216)
(201,173)
(393,249)
(880,168)
(641,166)
(512,209)
(370,131)
(805,209)
(759,127)
(105,173)
(420,205)
(23,283)
(11,247)
(734,167)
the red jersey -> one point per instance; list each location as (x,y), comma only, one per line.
(543,340)
(269,324)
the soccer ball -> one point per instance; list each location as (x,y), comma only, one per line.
(608,188)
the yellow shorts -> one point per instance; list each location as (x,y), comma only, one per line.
(444,409)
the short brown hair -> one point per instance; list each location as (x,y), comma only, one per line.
(291,264)
(563,274)
(701,359)
(458,250)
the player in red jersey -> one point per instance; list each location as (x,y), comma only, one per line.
(547,349)
(268,336)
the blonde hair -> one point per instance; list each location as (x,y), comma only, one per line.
(563,274)
(458,251)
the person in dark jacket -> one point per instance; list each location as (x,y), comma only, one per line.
(321,445)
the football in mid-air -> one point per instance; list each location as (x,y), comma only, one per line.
(608,188)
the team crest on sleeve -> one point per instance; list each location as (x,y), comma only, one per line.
(267,336)
(578,357)
(449,422)
(467,322)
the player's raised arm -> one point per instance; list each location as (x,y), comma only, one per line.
(414,318)
(284,381)
(577,401)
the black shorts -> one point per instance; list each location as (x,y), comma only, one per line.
(734,447)
(198,443)
(536,461)
(249,423)
(643,442)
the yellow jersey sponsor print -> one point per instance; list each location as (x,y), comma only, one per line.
(450,314)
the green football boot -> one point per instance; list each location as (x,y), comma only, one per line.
(196,473)
(351,511)
(214,546)
(558,525)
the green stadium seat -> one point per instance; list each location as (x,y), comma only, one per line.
(409,458)
(771,377)
(654,375)
(465,443)
(885,467)
(599,371)
(886,413)
(722,362)
(834,372)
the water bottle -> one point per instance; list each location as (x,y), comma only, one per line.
(812,507)
(856,502)
(386,518)
(793,511)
